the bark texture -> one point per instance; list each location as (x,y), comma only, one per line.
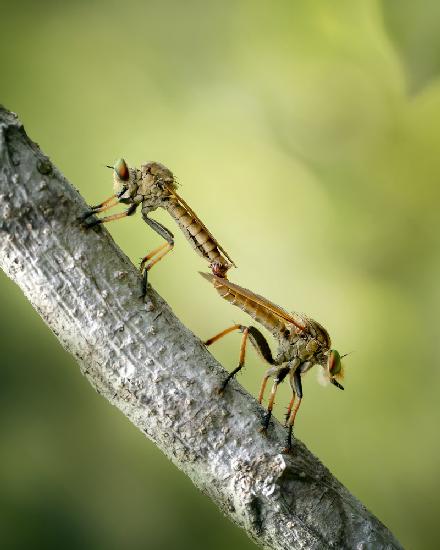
(142,359)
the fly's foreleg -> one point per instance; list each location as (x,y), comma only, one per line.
(106,205)
(103,206)
(129,212)
(158,253)
(297,388)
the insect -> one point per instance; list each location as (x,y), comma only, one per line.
(153,186)
(302,343)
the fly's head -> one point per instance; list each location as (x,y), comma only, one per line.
(123,177)
(157,179)
(334,370)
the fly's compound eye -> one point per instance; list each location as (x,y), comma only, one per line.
(335,370)
(121,170)
(334,363)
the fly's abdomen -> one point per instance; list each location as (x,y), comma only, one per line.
(270,321)
(196,233)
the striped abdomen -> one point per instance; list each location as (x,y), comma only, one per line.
(263,315)
(196,232)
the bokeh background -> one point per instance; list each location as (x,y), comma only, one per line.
(306,135)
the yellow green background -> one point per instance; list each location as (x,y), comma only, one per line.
(306,135)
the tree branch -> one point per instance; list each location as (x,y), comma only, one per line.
(143,360)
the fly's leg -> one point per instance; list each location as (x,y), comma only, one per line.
(261,345)
(267,375)
(231,375)
(268,414)
(289,409)
(103,206)
(223,333)
(257,340)
(106,205)
(297,388)
(158,253)
(129,212)
(277,380)
(245,331)
(263,387)
(263,349)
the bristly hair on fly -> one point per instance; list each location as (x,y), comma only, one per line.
(322,377)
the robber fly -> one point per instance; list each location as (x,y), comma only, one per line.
(153,186)
(302,343)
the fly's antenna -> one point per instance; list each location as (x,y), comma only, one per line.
(345,354)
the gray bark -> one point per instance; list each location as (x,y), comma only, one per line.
(142,359)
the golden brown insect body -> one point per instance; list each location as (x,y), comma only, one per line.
(153,186)
(302,343)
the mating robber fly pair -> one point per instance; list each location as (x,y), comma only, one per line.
(302,342)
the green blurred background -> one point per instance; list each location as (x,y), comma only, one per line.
(306,135)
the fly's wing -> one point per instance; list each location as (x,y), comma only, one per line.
(263,302)
(194,215)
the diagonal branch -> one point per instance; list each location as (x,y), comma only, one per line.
(143,360)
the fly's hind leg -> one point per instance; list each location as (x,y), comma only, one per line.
(257,340)
(261,345)
(158,253)
(231,375)
(223,333)
(245,332)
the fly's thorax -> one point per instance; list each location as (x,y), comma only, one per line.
(307,348)
(304,345)
(285,353)
(287,335)
(157,171)
(156,177)
(313,332)
(320,334)
(152,185)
